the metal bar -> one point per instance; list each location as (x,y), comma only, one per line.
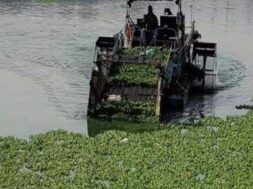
(158,98)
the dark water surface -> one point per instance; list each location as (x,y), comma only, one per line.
(46,52)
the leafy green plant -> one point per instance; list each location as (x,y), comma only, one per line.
(139,74)
(211,153)
(155,52)
(127,110)
(134,74)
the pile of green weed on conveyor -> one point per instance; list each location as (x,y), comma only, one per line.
(149,52)
(139,74)
(127,110)
(133,74)
(212,153)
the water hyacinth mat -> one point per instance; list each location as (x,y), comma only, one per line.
(211,153)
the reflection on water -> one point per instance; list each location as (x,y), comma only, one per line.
(47,50)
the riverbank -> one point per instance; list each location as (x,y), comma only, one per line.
(211,153)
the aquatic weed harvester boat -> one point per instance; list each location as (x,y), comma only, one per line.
(137,81)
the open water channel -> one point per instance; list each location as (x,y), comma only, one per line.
(46,52)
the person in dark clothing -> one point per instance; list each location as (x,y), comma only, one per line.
(151,23)
(150,19)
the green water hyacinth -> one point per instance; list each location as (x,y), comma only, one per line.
(213,153)
(127,110)
(141,75)
(157,52)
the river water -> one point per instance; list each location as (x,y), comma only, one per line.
(46,52)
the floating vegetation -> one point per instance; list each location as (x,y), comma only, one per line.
(244,106)
(181,156)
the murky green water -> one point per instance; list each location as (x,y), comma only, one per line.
(46,52)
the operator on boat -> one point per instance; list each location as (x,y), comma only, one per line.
(151,23)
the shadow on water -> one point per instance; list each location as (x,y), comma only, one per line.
(97,126)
